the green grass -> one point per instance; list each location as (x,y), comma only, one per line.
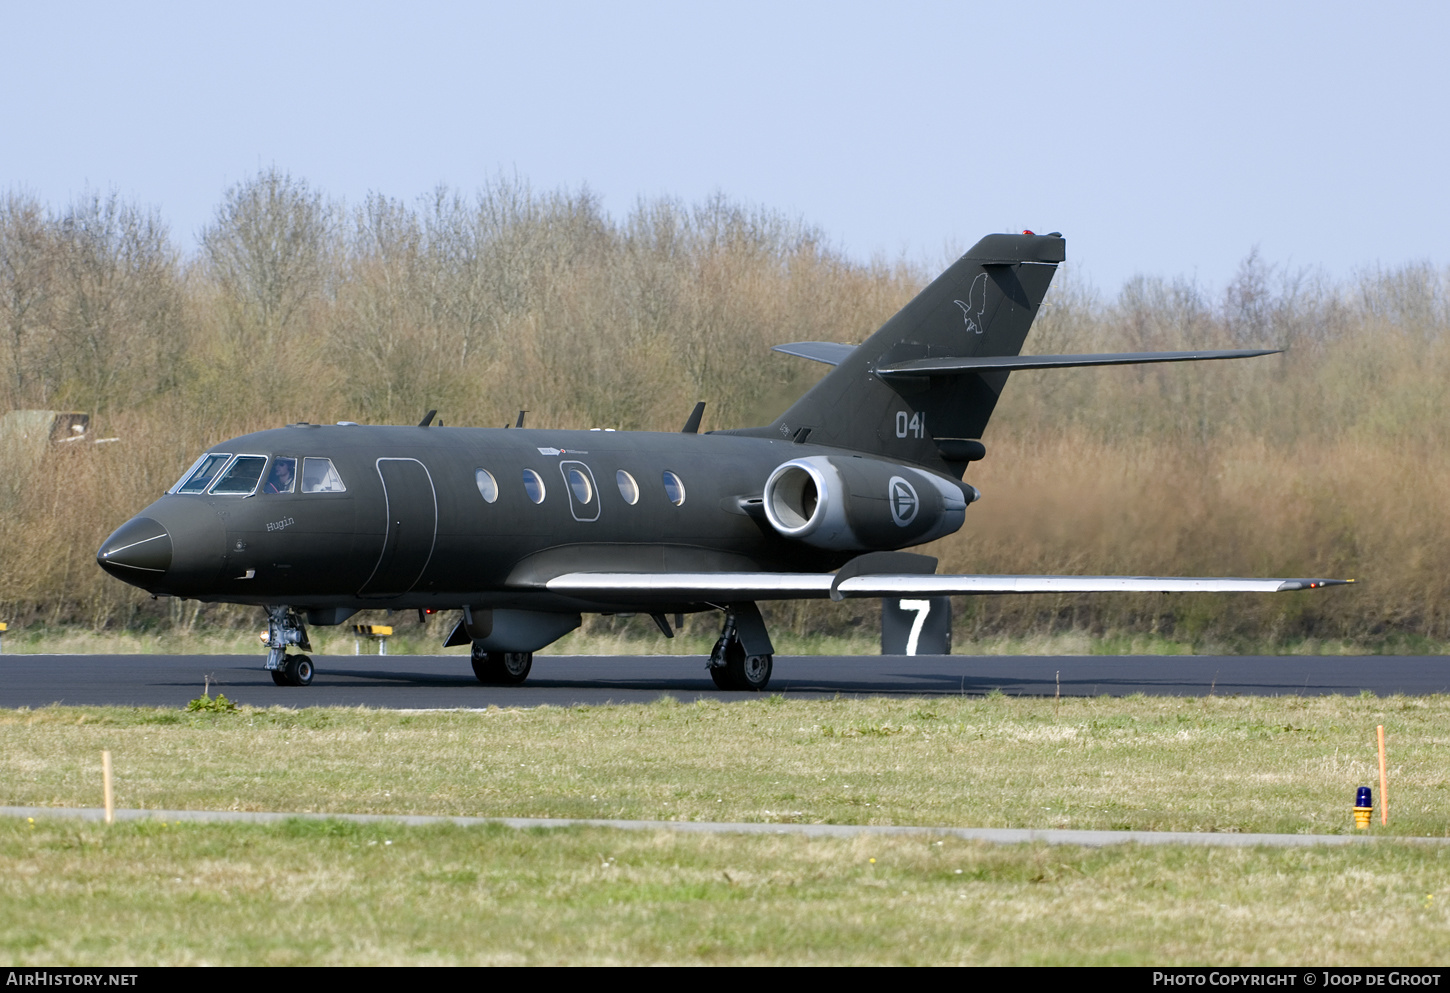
(638,636)
(1245,764)
(337,893)
(331,893)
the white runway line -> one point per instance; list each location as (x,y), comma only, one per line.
(1000,836)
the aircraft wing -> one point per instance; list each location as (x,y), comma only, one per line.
(704,587)
(727,586)
(965,585)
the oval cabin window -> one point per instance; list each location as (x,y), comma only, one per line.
(534,486)
(674,489)
(628,488)
(487,485)
(579,484)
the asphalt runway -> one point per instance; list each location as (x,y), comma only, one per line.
(443,681)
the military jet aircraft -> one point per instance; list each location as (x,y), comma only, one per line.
(522,531)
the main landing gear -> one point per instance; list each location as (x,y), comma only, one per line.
(286,642)
(744,656)
(501,668)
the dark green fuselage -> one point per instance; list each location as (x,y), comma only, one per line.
(413,530)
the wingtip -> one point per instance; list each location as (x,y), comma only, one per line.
(1289,585)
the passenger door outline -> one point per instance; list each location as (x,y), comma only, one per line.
(400,522)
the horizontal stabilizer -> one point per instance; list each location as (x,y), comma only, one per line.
(829,352)
(724,587)
(1012,363)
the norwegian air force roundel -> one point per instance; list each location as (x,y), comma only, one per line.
(904,501)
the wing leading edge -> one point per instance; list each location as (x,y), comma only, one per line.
(725,586)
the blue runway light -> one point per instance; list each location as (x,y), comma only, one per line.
(1363,807)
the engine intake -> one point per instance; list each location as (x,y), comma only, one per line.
(846,503)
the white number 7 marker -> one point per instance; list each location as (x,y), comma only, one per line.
(922,608)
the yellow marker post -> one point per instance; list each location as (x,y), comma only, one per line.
(1384,781)
(379,632)
(106,783)
(3,628)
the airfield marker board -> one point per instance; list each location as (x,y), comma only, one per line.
(916,626)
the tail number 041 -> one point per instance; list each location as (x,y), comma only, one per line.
(910,425)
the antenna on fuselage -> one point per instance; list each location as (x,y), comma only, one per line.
(521,419)
(427,418)
(692,426)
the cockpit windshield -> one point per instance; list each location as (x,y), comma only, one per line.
(200,475)
(219,474)
(241,478)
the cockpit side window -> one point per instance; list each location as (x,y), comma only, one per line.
(318,476)
(202,473)
(283,477)
(241,477)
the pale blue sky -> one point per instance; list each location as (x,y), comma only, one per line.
(1159,138)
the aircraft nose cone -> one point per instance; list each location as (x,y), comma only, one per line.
(138,551)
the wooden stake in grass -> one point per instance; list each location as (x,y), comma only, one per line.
(106,782)
(1384,781)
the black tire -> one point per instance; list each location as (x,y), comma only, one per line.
(747,672)
(299,670)
(279,676)
(721,676)
(502,668)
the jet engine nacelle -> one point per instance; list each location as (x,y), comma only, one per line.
(846,503)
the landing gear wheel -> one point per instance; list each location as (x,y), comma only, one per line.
(502,668)
(286,632)
(721,676)
(745,672)
(298,671)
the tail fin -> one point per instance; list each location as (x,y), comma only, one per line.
(982,306)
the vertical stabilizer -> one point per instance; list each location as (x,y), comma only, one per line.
(983,305)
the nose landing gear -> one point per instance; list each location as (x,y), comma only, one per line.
(296,671)
(286,642)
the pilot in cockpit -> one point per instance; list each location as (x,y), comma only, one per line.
(281,477)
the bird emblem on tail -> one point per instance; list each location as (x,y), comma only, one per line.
(975,304)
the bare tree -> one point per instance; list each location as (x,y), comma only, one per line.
(383,321)
(27,249)
(117,304)
(268,249)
